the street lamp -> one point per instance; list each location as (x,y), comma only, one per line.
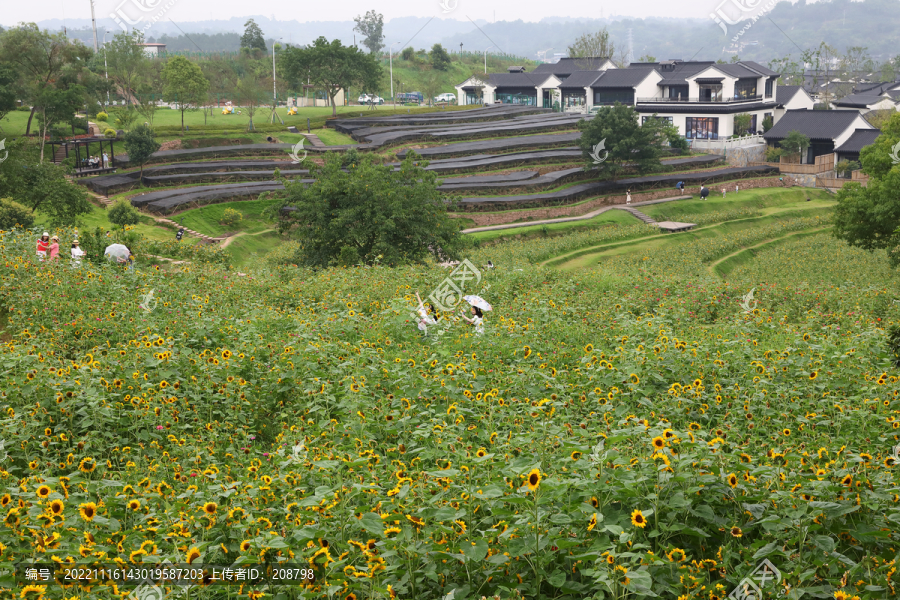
(485,58)
(391,54)
(105,66)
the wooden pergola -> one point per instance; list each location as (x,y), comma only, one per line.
(85,148)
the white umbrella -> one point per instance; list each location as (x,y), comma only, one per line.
(117,251)
(478,301)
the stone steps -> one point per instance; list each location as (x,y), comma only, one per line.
(643,217)
(203,237)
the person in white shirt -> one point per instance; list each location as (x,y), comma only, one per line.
(477,320)
(105,160)
(426,318)
(77,253)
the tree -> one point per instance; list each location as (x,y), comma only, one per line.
(330,66)
(253,37)
(140,145)
(477,83)
(767,123)
(149,90)
(856,62)
(8,84)
(791,72)
(122,213)
(592,45)
(126,62)
(369,213)
(185,85)
(440,59)
(795,143)
(41,186)
(615,136)
(869,217)
(431,83)
(250,95)
(56,104)
(647,58)
(41,60)
(371,26)
(742,123)
(878,118)
(13,214)
(408,53)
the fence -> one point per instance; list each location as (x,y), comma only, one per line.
(791,164)
(721,146)
(829,179)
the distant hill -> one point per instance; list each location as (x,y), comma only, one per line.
(785,30)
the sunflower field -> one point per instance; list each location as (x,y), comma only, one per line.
(636,430)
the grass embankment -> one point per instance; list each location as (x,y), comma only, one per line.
(98,218)
(766,203)
(609,217)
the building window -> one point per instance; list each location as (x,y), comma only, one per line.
(701,128)
(611,96)
(517,98)
(573,99)
(745,89)
(473,97)
(711,92)
(770,85)
(678,92)
(644,119)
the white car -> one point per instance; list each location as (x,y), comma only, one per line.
(367,99)
(448,97)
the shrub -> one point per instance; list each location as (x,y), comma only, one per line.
(122,213)
(774,154)
(110,133)
(102,116)
(12,214)
(231,217)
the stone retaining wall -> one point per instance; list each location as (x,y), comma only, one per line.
(486,219)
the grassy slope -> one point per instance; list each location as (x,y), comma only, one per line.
(97,218)
(609,217)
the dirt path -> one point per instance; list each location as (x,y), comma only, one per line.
(231,238)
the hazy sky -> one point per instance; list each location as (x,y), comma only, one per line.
(317,10)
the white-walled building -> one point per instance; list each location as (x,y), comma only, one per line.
(827,130)
(700,98)
(791,97)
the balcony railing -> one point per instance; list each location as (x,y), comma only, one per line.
(660,100)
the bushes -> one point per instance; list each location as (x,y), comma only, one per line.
(231,217)
(13,214)
(110,133)
(123,213)
(774,154)
(102,117)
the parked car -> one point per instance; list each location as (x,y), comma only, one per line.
(367,99)
(448,97)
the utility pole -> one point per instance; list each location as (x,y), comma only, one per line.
(94,21)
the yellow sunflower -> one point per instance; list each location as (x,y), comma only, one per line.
(637,519)
(88,511)
(534,479)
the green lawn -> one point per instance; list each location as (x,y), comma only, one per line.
(757,198)
(330,137)
(97,218)
(610,217)
(207,219)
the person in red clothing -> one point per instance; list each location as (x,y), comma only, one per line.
(43,245)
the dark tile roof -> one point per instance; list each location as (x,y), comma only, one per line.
(758,67)
(738,70)
(517,79)
(619,78)
(567,66)
(876,88)
(581,79)
(784,93)
(860,100)
(895,94)
(814,124)
(681,71)
(859,140)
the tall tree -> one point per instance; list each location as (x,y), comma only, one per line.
(251,95)
(613,142)
(126,62)
(856,62)
(440,59)
(369,213)
(8,84)
(140,145)
(330,66)
(592,45)
(185,85)
(253,36)
(40,59)
(791,72)
(56,105)
(371,26)
(869,217)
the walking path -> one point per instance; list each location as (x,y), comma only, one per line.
(314,140)
(191,232)
(590,215)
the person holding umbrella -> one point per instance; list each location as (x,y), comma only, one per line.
(121,253)
(704,192)
(77,253)
(479,307)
